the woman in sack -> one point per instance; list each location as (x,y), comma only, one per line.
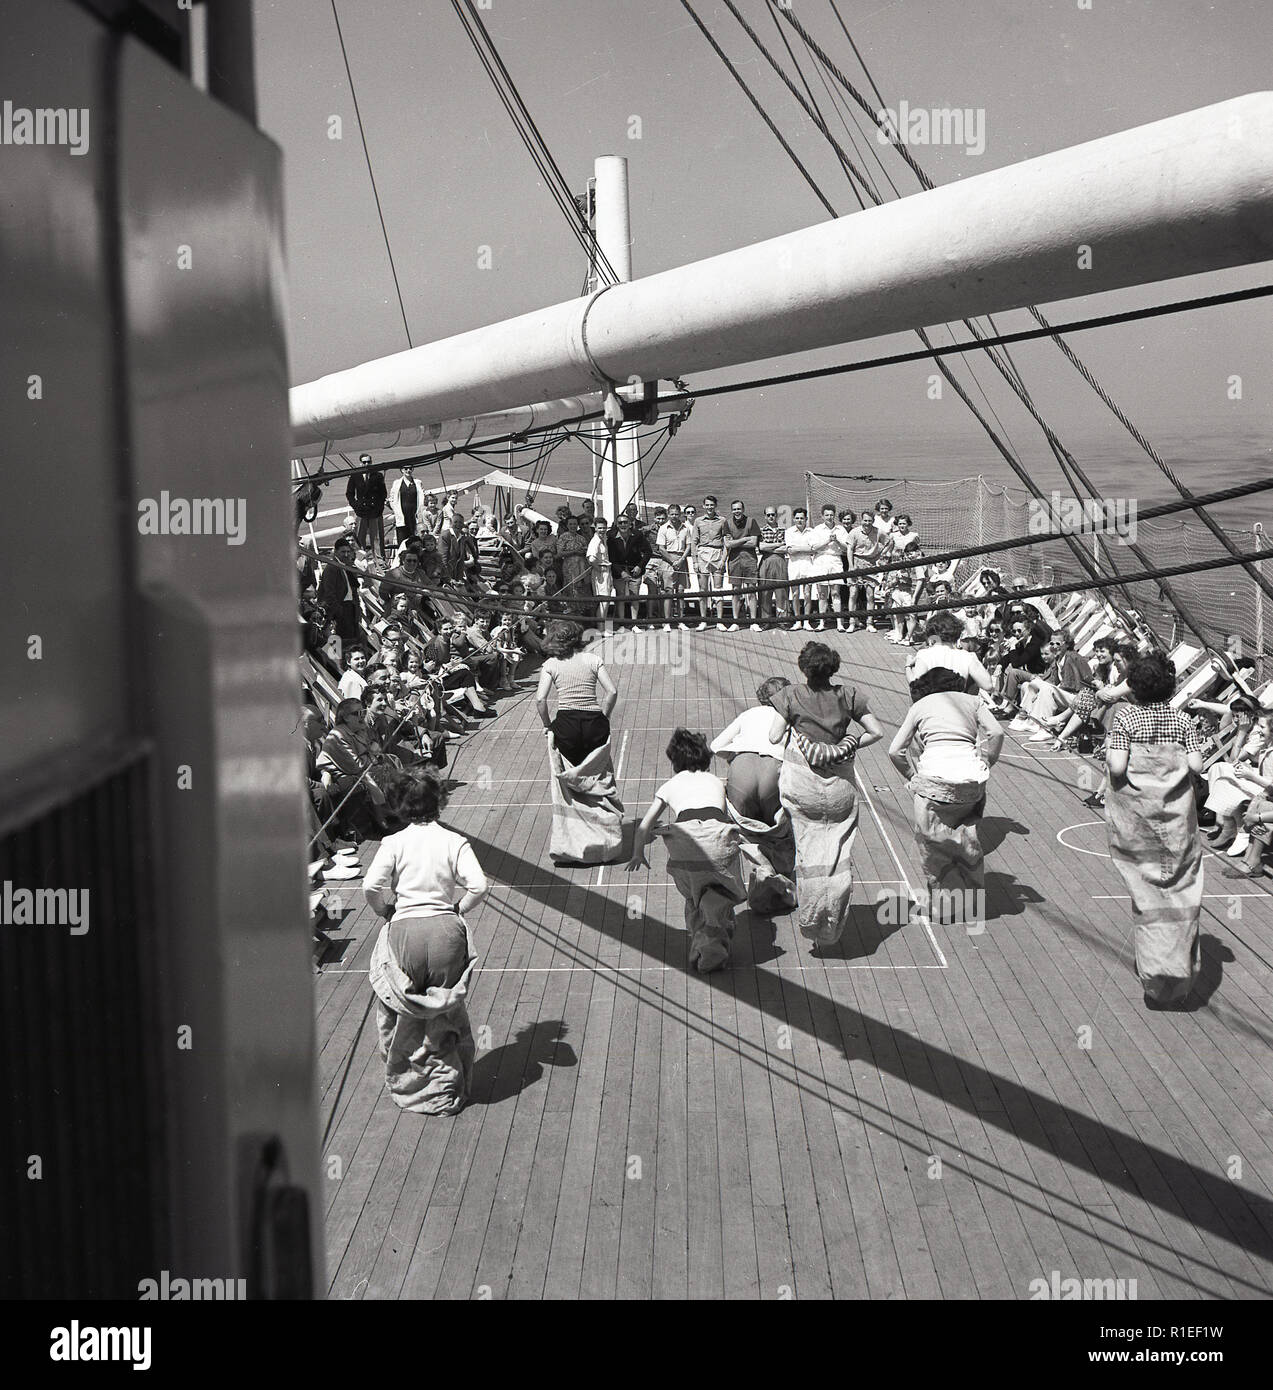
(1152,754)
(587,812)
(422,882)
(755,804)
(817,786)
(946,746)
(702,849)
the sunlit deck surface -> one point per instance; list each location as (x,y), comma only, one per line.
(914,1115)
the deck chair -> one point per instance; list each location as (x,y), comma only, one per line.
(1182,656)
(1206,677)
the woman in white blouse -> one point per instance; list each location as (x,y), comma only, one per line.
(422,882)
(801,543)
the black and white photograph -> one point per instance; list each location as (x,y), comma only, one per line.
(637,666)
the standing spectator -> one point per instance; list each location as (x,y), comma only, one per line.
(365,493)
(338,592)
(882,522)
(629,555)
(406,498)
(742,546)
(709,558)
(773,567)
(572,555)
(864,546)
(830,543)
(672,545)
(598,556)
(800,541)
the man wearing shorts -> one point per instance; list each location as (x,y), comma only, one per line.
(672,545)
(709,557)
(742,542)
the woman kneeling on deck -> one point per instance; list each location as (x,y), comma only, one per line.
(959,742)
(422,881)
(1152,819)
(817,786)
(702,848)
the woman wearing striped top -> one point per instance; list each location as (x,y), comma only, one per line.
(817,786)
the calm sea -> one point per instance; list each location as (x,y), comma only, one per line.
(770,466)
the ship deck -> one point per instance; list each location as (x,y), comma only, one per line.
(917,1113)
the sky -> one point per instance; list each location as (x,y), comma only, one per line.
(706,176)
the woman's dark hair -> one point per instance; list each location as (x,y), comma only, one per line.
(818,663)
(688,751)
(564,639)
(935,681)
(945,627)
(421,797)
(1151,679)
(766,690)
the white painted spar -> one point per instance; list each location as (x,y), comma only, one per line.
(496,422)
(1181,196)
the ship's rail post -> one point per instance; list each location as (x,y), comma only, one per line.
(981,510)
(1259,534)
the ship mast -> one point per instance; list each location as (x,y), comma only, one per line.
(618,447)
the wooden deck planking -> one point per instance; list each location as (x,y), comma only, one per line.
(802,1170)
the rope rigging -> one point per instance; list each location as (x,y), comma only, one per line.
(362,134)
(995,437)
(524,123)
(1106,399)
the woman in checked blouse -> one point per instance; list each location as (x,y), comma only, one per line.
(1152,754)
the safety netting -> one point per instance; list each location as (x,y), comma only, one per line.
(1226,603)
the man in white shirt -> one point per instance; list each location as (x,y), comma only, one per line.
(672,545)
(830,544)
(406,498)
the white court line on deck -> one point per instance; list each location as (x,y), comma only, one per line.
(618,768)
(923,917)
(1078,849)
(657,969)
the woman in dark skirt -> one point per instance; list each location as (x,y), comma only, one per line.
(587,811)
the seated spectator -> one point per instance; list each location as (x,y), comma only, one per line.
(405,577)
(356,783)
(1048,697)
(1022,659)
(354,681)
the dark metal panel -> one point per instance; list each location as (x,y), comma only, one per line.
(207,408)
(82,1093)
(59,530)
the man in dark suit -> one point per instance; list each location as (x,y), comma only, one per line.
(338,593)
(366,494)
(629,554)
